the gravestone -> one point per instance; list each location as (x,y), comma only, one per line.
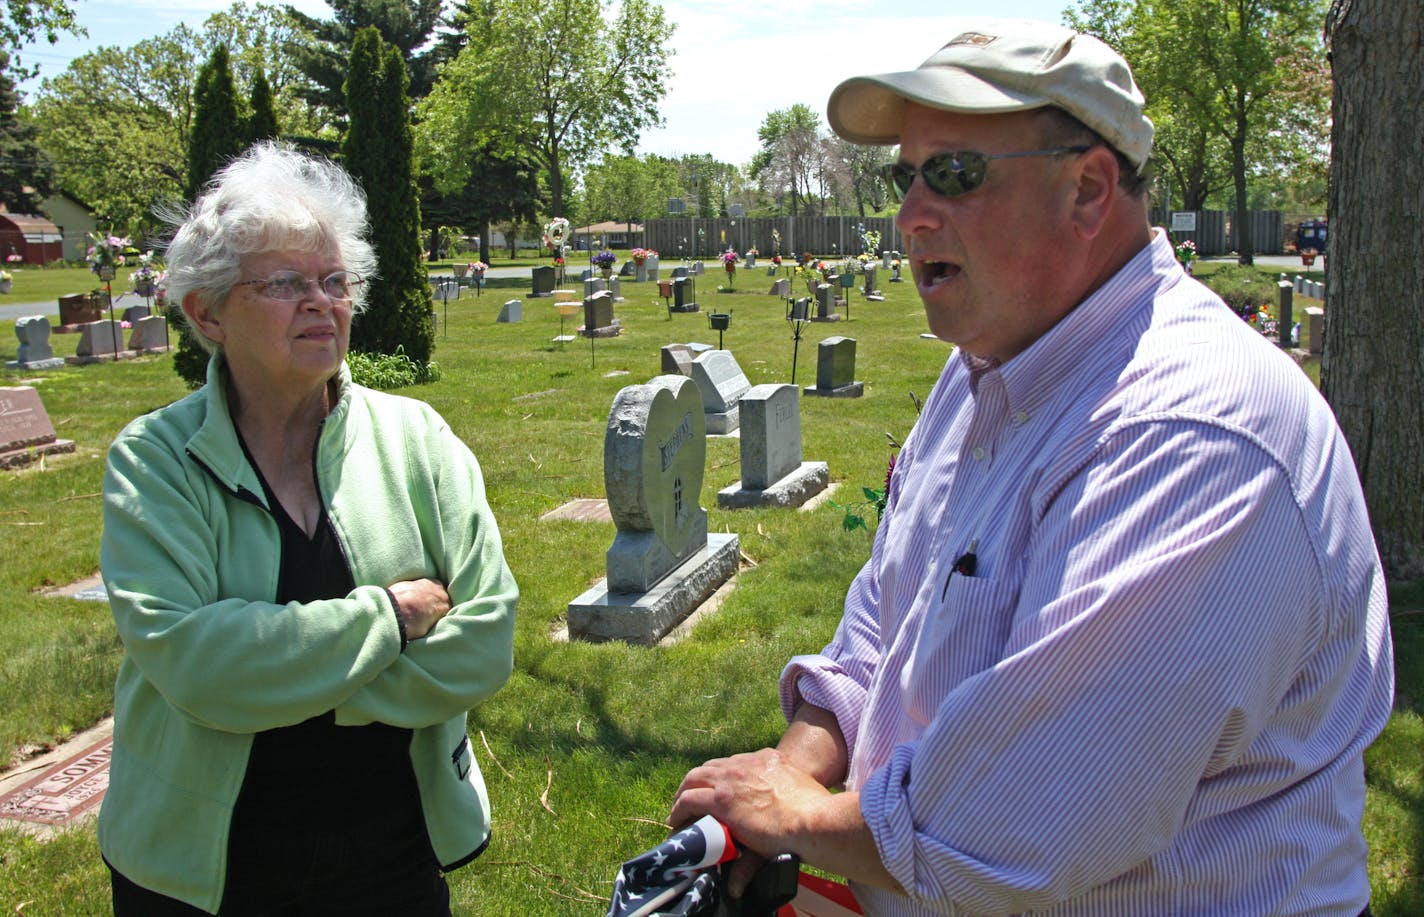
(780,287)
(871,292)
(598,320)
(1299,283)
(698,269)
(78,309)
(722,383)
(100,339)
(512,311)
(677,360)
(826,304)
(592,285)
(773,473)
(663,563)
(895,267)
(25,430)
(679,271)
(800,310)
(885,260)
(652,265)
(1315,327)
(835,370)
(1283,311)
(149,333)
(34,351)
(615,286)
(627,270)
(133,313)
(751,259)
(543,277)
(684,292)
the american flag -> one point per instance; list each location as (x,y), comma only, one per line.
(677,877)
(681,878)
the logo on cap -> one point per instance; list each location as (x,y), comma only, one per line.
(978,39)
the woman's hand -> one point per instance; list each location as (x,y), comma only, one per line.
(422,602)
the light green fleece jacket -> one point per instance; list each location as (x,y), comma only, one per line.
(190,556)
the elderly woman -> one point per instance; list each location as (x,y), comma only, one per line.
(309,586)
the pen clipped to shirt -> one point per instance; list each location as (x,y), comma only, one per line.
(963,565)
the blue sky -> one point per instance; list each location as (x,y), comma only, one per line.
(733,62)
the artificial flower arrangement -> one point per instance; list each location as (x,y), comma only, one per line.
(776,260)
(145,276)
(729,261)
(1186,251)
(753,253)
(555,233)
(643,254)
(479,267)
(870,239)
(106,253)
(6,277)
(604,260)
(14,257)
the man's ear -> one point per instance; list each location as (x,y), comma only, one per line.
(206,320)
(1097,172)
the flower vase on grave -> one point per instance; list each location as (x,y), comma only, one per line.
(144,288)
(106,272)
(606,271)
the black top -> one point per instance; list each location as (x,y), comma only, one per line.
(315,775)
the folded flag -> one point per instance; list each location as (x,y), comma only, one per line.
(677,877)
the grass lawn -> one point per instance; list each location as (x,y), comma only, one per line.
(584,747)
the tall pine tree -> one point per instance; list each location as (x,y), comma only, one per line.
(218,132)
(26,176)
(218,135)
(379,154)
(262,122)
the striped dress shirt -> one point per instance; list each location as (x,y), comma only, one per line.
(1152,692)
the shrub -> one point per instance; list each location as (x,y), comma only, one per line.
(1242,287)
(390,370)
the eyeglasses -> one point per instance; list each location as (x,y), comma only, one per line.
(293,286)
(955,173)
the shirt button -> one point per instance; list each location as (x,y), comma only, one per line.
(1021,417)
(979,453)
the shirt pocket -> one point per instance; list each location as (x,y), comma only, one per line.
(963,634)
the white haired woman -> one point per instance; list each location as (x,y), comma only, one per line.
(309,586)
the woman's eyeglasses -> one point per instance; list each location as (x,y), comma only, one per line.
(291,286)
(955,173)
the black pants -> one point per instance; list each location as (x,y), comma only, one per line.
(314,876)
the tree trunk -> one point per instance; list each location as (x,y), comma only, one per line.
(1245,245)
(1373,367)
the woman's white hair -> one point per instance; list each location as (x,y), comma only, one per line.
(271,198)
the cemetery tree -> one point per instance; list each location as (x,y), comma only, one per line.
(560,80)
(261,123)
(502,186)
(218,134)
(1217,71)
(321,48)
(379,154)
(786,164)
(1371,373)
(135,155)
(22,21)
(628,189)
(28,177)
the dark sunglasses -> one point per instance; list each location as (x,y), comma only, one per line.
(955,173)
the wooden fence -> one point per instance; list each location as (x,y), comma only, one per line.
(825,237)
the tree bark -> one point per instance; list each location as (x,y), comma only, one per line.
(1372,371)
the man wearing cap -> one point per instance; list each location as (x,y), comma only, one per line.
(1122,639)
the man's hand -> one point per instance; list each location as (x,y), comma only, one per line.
(772,807)
(422,602)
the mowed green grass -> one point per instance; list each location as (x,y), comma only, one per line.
(585,745)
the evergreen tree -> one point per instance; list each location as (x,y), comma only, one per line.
(379,154)
(23,165)
(218,134)
(262,122)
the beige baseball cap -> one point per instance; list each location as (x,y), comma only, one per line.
(994,66)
